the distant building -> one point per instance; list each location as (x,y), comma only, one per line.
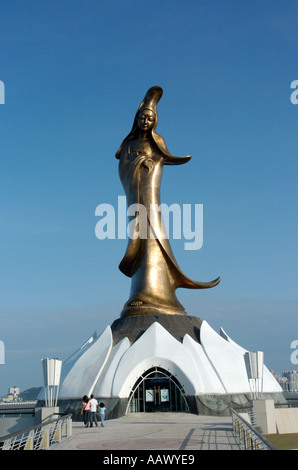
(12,396)
(288,380)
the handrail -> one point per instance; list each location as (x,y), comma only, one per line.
(39,437)
(17,403)
(249,437)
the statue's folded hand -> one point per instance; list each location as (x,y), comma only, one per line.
(148,164)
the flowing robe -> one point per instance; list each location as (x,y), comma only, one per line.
(149,260)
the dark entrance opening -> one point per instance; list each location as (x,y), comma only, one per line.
(157,390)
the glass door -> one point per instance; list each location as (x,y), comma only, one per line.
(157,391)
(157,394)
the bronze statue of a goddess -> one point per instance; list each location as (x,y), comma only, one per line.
(149,261)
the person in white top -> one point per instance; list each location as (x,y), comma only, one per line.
(93,410)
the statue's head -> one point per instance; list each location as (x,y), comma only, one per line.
(146,119)
(146,116)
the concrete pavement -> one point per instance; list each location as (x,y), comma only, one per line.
(154,431)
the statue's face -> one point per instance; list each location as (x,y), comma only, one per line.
(146,119)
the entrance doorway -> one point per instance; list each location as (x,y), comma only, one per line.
(157,390)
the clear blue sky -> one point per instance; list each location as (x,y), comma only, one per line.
(75,72)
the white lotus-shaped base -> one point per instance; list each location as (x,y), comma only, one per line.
(215,366)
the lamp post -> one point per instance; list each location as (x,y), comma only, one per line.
(51,376)
(254,362)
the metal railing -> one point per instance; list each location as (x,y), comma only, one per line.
(248,437)
(40,437)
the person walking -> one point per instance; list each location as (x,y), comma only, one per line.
(86,405)
(102,413)
(93,410)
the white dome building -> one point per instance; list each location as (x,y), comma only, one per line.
(161,363)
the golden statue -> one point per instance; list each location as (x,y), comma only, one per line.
(149,261)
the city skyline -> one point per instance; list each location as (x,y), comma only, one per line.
(73,75)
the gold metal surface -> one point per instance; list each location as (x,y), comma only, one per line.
(149,261)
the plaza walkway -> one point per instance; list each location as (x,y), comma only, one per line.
(154,431)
